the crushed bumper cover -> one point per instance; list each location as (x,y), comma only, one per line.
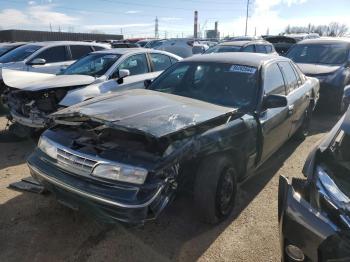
(311,231)
(108,203)
(39,123)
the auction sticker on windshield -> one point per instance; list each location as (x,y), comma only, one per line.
(242,69)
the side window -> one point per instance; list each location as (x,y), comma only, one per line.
(290,77)
(249,49)
(160,62)
(136,64)
(98,48)
(54,54)
(260,49)
(299,74)
(79,51)
(268,48)
(273,81)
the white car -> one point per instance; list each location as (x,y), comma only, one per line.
(31,97)
(47,57)
(179,46)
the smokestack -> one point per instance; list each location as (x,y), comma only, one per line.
(195,33)
(216,29)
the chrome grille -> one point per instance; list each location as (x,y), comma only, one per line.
(75,163)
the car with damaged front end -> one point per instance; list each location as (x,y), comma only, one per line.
(32,97)
(202,126)
(314,213)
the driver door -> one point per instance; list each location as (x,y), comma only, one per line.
(275,122)
(56,59)
(139,71)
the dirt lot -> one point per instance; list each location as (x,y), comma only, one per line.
(37,228)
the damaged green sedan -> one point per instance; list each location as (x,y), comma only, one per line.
(204,125)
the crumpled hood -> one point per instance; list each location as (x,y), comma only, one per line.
(33,81)
(315,69)
(154,113)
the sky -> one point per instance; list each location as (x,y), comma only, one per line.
(136,18)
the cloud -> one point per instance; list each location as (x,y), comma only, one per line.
(266,15)
(133,12)
(31,3)
(35,16)
(167,19)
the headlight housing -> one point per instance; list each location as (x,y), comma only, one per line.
(120,172)
(47,146)
(326,182)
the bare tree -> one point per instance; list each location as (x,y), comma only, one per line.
(333,29)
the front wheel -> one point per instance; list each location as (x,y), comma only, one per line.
(215,189)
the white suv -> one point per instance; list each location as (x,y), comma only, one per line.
(47,57)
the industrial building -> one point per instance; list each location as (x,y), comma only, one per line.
(29,35)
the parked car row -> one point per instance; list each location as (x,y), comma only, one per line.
(125,130)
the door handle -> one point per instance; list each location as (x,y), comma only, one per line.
(290,109)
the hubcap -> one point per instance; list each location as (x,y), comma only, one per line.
(227,191)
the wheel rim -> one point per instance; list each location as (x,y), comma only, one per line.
(227,191)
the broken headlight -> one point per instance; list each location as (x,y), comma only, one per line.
(119,172)
(332,190)
(47,146)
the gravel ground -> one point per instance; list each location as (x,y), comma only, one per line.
(37,228)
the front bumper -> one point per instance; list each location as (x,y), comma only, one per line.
(34,122)
(106,202)
(308,229)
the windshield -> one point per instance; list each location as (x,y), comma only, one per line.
(5,48)
(223,48)
(222,84)
(332,54)
(19,54)
(93,65)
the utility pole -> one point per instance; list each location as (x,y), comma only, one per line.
(246,18)
(156,30)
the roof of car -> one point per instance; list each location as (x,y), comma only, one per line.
(248,59)
(244,42)
(123,51)
(326,40)
(54,43)
(13,43)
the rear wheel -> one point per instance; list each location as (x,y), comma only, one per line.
(215,189)
(303,130)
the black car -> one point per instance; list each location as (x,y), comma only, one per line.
(251,46)
(202,126)
(328,60)
(314,213)
(281,43)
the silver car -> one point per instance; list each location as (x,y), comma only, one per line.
(31,97)
(47,57)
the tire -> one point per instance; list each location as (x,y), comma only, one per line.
(215,189)
(303,130)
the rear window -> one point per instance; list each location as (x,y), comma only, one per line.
(223,49)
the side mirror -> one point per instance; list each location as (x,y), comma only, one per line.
(274,101)
(38,61)
(120,75)
(123,73)
(147,83)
